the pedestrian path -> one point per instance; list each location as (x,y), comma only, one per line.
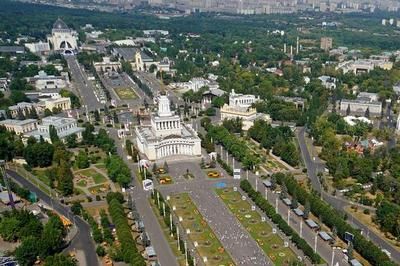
(242,248)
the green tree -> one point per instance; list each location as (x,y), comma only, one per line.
(76,208)
(47,112)
(65,178)
(27,253)
(96,116)
(60,260)
(53,134)
(71,141)
(166,167)
(82,160)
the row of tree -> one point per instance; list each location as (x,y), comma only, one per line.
(333,219)
(279,139)
(128,249)
(238,148)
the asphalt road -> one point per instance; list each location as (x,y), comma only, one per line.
(337,202)
(82,240)
(155,85)
(84,86)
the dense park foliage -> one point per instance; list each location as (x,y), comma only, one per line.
(278,139)
(37,240)
(388,217)
(118,171)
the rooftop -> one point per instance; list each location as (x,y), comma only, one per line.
(60,25)
(12,49)
(20,105)
(17,122)
(57,121)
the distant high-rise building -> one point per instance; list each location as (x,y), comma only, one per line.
(326,43)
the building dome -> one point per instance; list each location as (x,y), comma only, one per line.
(60,25)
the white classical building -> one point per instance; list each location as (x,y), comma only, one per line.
(167,135)
(364,65)
(64,127)
(61,103)
(24,107)
(365,101)
(62,38)
(107,65)
(240,107)
(42,81)
(20,127)
(195,84)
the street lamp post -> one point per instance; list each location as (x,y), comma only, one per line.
(301,228)
(276,205)
(288,217)
(315,243)
(177,234)
(186,254)
(333,257)
(266,193)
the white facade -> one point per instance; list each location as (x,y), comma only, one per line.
(63,38)
(38,47)
(195,84)
(364,66)
(23,106)
(240,107)
(20,127)
(42,81)
(61,103)
(328,82)
(365,101)
(107,65)
(167,136)
(242,100)
(64,127)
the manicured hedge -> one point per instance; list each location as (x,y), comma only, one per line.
(332,218)
(269,210)
(129,250)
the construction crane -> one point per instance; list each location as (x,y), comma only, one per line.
(3,166)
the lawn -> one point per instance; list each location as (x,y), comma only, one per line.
(101,166)
(125,93)
(82,183)
(97,177)
(41,174)
(272,244)
(201,235)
